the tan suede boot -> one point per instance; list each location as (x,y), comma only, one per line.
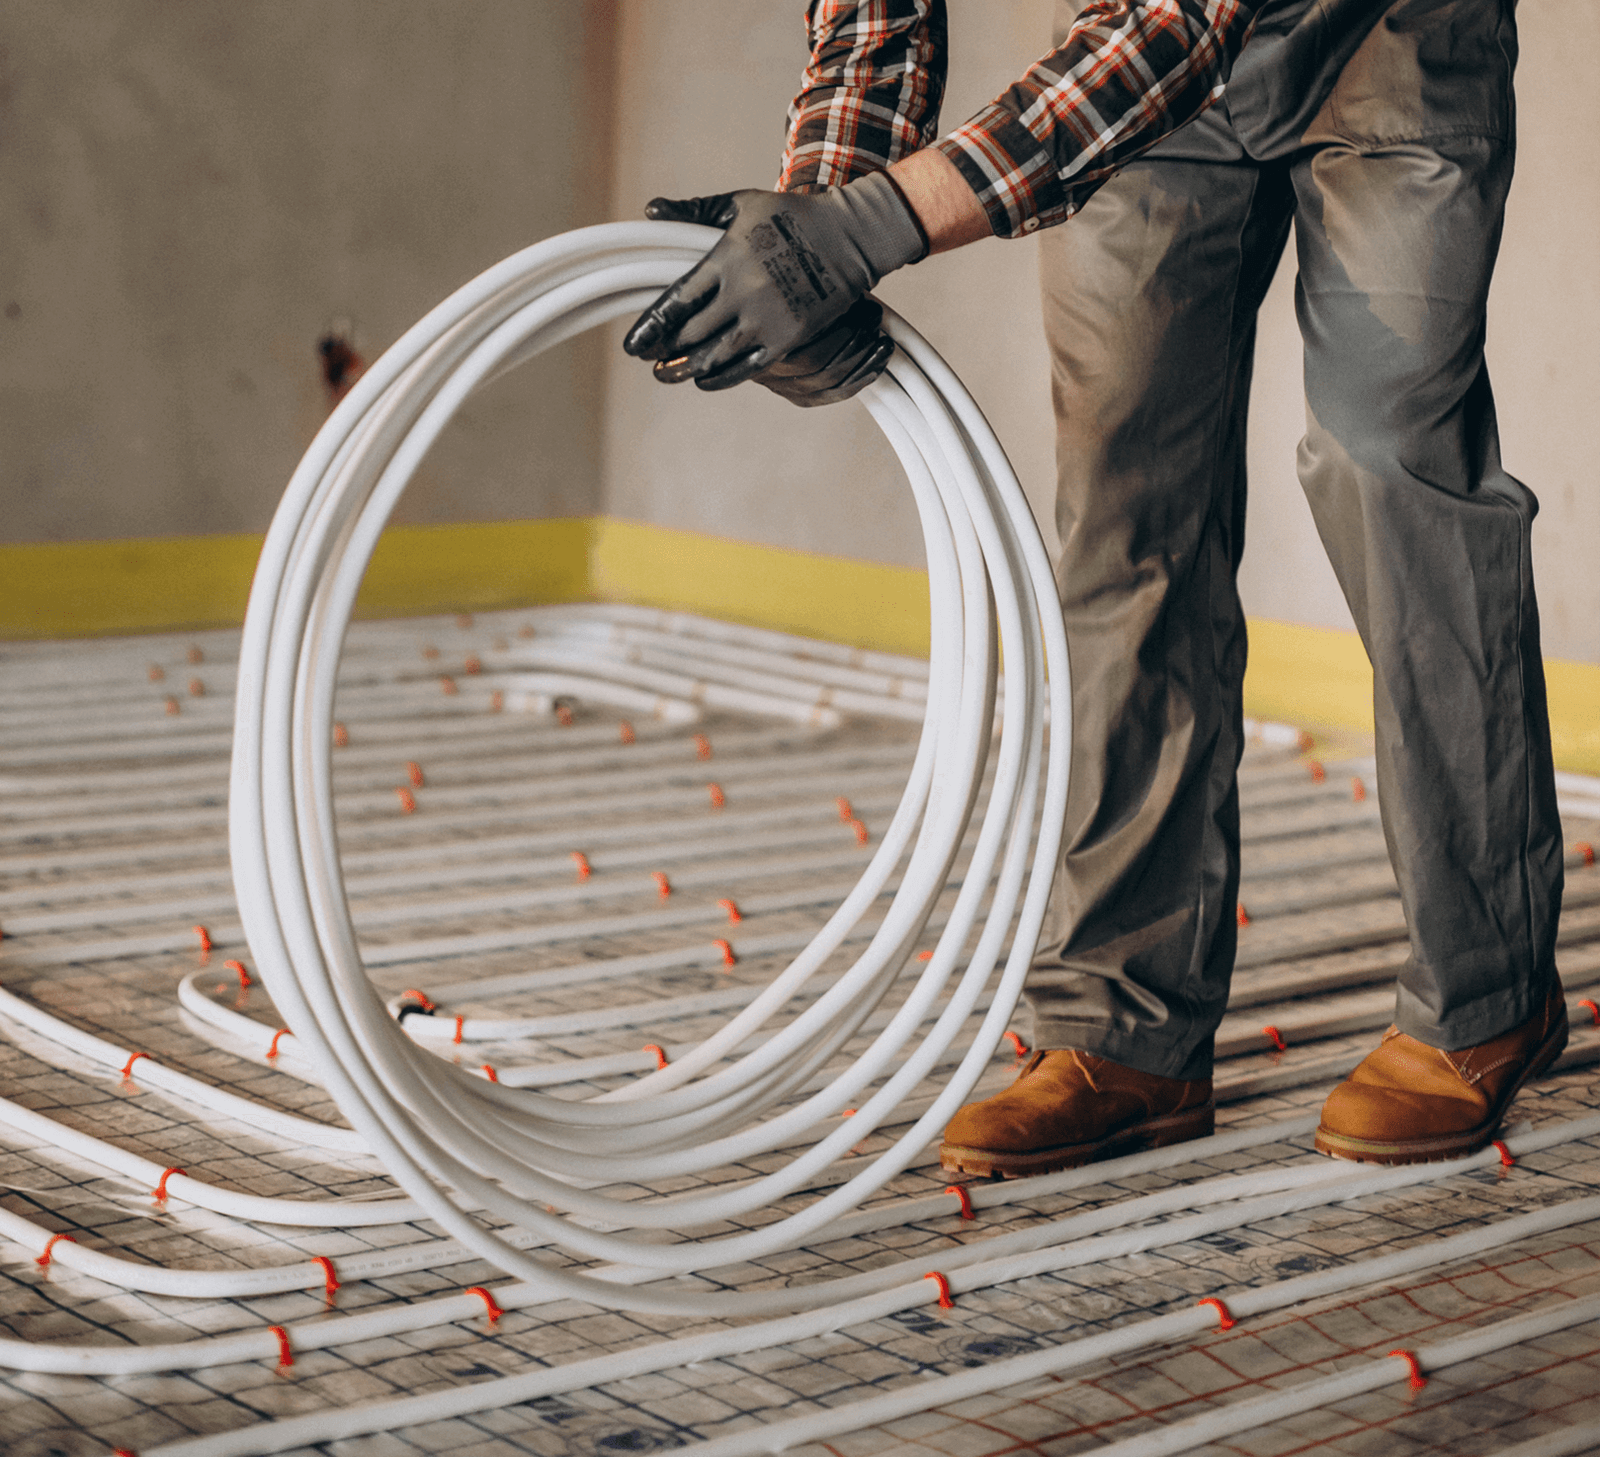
(1408,1103)
(1068,1108)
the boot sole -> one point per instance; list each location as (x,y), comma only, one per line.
(995,1163)
(1445,1146)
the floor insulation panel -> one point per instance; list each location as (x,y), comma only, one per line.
(612,877)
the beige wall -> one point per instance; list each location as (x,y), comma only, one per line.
(192,194)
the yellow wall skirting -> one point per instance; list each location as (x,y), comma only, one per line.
(864,604)
(1309,675)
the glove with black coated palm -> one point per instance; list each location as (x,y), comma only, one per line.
(781,298)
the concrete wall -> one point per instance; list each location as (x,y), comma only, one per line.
(192,195)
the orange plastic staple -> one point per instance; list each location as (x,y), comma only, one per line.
(582,862)
(497,701)
(414,773)
(663,885)
(159,1193)
(1317,772)
(341,736)
(1506,1160)
(734,916)
(197,689)
(564,715)
(1244,915)
(43,1260)
(157,672)
(1017,1042)
(661,1057)
(331,1283)
(861,831)
(1358,789)
(845,812)
(1586,850)
(1594,1011)
(472,665)
(408,801)
(960,1191)
(204,935)
(127,1067)
(490,1073)
(172,708)
(1276,1037)
(625,731)
(194,655)
(278,1036)
(924,956)
(490,1306)
(1225,1320)
(718,798)
(447,686)
(945,1302)
(460,1022)
(123,1452)
(422,999)
(285,1355)
(726,948)
(702,746)
(238,966)
(1416,1380)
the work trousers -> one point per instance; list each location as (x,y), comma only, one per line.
(1395,189)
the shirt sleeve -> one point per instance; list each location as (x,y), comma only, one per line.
(1129,73)
(870,93)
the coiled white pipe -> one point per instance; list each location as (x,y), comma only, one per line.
(450,1139)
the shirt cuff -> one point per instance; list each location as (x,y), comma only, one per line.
(1012,175)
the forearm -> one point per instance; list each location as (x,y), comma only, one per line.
(944,203)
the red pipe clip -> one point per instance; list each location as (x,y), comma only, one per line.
(1244,915)
(945,1302)
(960,1191)
(157,672)
(205,938)
(663,885)
(1594,1011)
(341,736)
(422,999)
(1585,849)
(1016,1041)
(1358,789)
(493,1310)
(1506,1160)
(172,708)
(718,798)
(846,814)
(1225,1320)
(625,731)
(924,956)
(1416,1380)
(497,701)
(582,862)
(414,772)
(285,1355)
(460,1022)
(490,1073)
(726,948)
(127,1067)
(238,966)
(734,916)
(702,746)
(331,1282)
(564,714)
(661,1057)
(1317,772)
(472,664)
(408,801)
(43,1261)
(447,686)
(197,689)
(861,831)
(1276,1036)
(277,1037)
(159,1193)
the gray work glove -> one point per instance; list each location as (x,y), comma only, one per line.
(789,271)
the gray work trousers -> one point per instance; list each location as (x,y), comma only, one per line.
(1395,181)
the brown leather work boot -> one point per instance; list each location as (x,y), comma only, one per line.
(1408,1103)
(1068,1108)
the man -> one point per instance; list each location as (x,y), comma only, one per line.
(1176,141)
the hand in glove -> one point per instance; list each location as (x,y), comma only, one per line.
(779,296)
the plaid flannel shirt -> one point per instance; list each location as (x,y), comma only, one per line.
(1129,73)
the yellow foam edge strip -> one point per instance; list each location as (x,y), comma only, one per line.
(1314,676)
